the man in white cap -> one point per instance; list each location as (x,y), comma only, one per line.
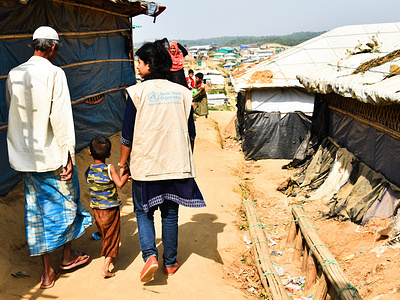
(41,145)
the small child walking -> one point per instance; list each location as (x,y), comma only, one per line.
(103,181)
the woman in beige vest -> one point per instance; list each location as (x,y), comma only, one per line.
(158,136)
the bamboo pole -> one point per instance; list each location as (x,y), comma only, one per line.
(331,269)
(322,289)
(266,269)
(311,276)
(305,257)
(298,247)
(292,233)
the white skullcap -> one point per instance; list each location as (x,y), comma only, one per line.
(45,32)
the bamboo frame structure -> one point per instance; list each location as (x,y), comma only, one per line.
(331,269)
(269,278)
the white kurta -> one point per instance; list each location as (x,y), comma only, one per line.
(40,122)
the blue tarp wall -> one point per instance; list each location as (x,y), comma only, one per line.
(103,48)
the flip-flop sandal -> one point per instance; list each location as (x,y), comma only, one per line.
(44,286)
(80,260)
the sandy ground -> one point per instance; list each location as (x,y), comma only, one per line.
(208,238)
(215,261)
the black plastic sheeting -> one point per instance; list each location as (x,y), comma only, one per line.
(103,118)
(376,149)
(266,135)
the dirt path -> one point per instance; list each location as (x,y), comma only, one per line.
(209,241)
(215,261)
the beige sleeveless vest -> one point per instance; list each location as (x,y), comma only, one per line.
(161,144)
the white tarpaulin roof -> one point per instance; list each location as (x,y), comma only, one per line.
(314,53)
(373,85)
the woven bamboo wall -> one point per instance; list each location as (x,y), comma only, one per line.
(384,118)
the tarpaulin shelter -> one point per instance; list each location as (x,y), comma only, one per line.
(355,170)
(271,87)
(96,55)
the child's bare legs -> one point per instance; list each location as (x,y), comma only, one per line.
(106,268)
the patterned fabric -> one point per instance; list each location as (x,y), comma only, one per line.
(182,191)
(103,192)
(54,214)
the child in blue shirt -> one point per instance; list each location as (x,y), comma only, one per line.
(103,181)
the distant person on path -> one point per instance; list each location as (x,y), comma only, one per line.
(158,136)
(103,181)
(177,53)
(200,102)
(189,80)
(41,144)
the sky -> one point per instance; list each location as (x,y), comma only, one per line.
(191,20)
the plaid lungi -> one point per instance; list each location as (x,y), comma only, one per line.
(54,214)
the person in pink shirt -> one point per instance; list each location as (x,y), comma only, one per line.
(177,53)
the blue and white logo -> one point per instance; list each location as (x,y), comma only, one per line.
(153,96)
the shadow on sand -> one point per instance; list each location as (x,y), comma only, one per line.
(197,237)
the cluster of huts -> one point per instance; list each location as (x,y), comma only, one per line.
(331,105)
(233,57)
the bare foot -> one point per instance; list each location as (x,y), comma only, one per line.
(108,274)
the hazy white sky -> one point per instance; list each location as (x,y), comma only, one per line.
(188,19)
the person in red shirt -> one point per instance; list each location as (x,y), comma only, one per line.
(190,80)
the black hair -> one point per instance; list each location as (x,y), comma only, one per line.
(191,71)
(100,147)
(200,75)
(156,55)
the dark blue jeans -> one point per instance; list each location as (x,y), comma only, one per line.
(147,234)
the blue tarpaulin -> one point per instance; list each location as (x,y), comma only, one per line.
(97,64)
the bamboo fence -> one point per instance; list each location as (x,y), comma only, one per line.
(270,279)
(315,250)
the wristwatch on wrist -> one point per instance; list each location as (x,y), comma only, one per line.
(121,166)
